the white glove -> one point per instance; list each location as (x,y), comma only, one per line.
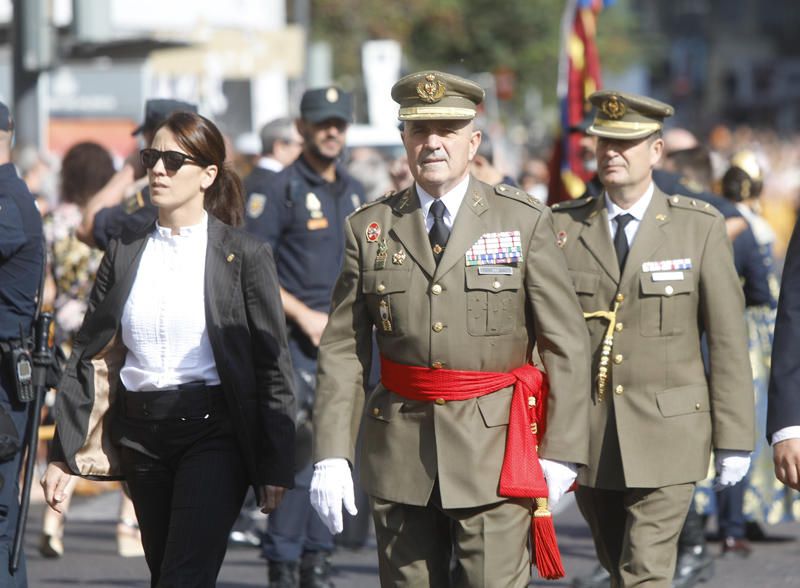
(731,467)
(559,475)
(332,487)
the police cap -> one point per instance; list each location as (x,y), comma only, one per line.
(434,95)
(325,103)
(158,110)
(627,116)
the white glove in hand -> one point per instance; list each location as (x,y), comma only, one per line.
(731,467)
(332,487)
(559,476)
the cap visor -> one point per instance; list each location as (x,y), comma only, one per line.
(617,133)
(317,116)
(435,113)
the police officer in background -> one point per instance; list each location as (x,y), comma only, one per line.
(281,144)
(110,211)
(21,251)
(301,213)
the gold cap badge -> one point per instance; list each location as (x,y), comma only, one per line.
(332,95)
(613,108)
(430,89)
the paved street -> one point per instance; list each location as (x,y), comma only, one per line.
(91,558)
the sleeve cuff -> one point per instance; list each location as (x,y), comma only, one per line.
(786,433)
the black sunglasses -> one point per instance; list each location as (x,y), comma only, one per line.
(173,160)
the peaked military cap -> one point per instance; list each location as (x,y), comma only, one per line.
(627,116)
(324,103)
(434,95)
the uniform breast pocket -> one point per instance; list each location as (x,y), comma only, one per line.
(493,302)
(386,292)
(585,283)
(666,306)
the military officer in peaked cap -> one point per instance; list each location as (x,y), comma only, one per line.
(460,280)
(653,273)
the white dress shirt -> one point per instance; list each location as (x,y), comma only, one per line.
(164,319)
(636,211)
(451,200)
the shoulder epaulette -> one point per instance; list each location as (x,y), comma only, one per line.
(133,202)
(689,203)
(373,202)
(516,194)
(572,204)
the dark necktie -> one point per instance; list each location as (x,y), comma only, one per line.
(621,240)
(439,232)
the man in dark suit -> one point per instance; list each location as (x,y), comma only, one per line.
(783,406)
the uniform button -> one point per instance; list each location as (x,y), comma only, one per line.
(496,284)
(618,327)
(618,358)
(376,411)
(437,327)
(437,365)
(620,297)
(669,290)
(440,401)
(436,289)
(619,390)
(697,406)
(381,288)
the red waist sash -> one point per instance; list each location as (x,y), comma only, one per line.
(521,475)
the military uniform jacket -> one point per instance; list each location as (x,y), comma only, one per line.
(452,316)
(669,414)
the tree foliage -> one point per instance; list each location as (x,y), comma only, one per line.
(470,35)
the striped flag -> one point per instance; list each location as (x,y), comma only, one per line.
(578,77)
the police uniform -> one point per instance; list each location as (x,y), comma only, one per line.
(21,244)
(136,211)
(655,416)
(432,468)
(302,216)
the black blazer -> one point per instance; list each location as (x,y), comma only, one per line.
(783,405)
(247,330)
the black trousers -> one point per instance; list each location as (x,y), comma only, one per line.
(187,480)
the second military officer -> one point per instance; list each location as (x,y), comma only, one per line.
(653,274)
(301,212)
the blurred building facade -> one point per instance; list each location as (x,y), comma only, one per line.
(239,60)
(727,60)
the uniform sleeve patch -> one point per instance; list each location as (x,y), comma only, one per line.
(255,204)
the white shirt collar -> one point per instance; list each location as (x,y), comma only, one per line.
(270,163)
(636,211)
(452,200)
(190,231)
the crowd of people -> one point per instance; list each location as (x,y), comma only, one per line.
(225,371)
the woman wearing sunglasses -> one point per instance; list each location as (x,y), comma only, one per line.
(180,379)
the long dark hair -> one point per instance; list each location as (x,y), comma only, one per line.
(201,139)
